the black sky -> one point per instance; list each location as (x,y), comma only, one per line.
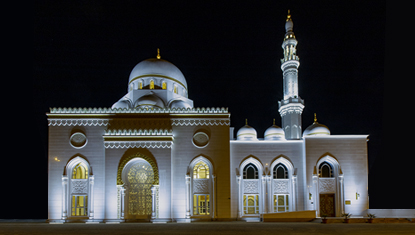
(229,53)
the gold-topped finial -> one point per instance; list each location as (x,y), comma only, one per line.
(315,118)
(289,15)
(273,122)
(158,54)
(246,121)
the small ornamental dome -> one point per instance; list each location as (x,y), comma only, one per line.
(246,133)
(122,104)
(149,101)
(180,104)
(316,129)
(274,132)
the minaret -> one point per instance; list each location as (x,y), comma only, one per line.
(292,105)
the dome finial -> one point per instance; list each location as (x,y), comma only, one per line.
(273,121)
(289,15)
(246,121)
(158,54)
(315,118)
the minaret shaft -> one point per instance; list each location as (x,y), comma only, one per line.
(291,107)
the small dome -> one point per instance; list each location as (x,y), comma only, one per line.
(246,133)
(149,101)
(274,132)
(316,129)
(160,68)
(180,104)
(122,104)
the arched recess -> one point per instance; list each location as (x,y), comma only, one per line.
(282,191)
(329,189)
(137,182)
(200,188)
(251,183)
(78,189)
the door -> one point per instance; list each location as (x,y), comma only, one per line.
(327,205)
(139,199)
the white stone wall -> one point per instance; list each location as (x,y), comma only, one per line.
(351,153)
(93,152)
(184,151)
(266,152)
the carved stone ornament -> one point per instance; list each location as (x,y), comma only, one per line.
(79,186)
(327,185)
(251,186)
(200,139)
(78,140)
(280,186)
(200,186)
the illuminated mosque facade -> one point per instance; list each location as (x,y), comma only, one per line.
(153,156)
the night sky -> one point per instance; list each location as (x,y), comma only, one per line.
(230,56)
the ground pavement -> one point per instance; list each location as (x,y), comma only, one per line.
(200,228)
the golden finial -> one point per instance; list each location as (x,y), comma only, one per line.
(273,122)
(158,54)
(246,121)
(315,118)
(288,16)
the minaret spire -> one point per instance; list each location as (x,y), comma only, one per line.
(291,106)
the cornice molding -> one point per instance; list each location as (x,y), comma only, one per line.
(78,122)
(138,144)
(95,111)
(200,122)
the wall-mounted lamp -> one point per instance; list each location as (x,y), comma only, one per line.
(56,159)
(357,196)
(310,196)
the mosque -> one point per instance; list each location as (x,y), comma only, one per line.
(153,156)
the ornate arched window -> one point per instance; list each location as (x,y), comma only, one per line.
(201,188)
(175,89)
(77,190)
(280,171)
(251,195)
(201,171)
(282,190)
(250,171)
(164,85)
(325,170)
(152,84)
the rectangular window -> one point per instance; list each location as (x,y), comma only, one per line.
(201,204)
(251,204)
(281,203)
(79,206)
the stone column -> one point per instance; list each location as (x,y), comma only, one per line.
(123,188)
(263,198)
(294,193)
(316,197)
(239,182)
(64,196)
(269,193)
(213,197)
(187,177)
(91,197)
(341,178)
(153,202)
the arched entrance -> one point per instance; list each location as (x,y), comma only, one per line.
(138,188)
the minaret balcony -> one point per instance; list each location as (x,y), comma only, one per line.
(291,100)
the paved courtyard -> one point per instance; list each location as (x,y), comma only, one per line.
(234,228)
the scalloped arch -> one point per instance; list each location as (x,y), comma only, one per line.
(125,159)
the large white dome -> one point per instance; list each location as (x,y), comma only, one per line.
(158,68)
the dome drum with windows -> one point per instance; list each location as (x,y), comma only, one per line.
(155,83)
